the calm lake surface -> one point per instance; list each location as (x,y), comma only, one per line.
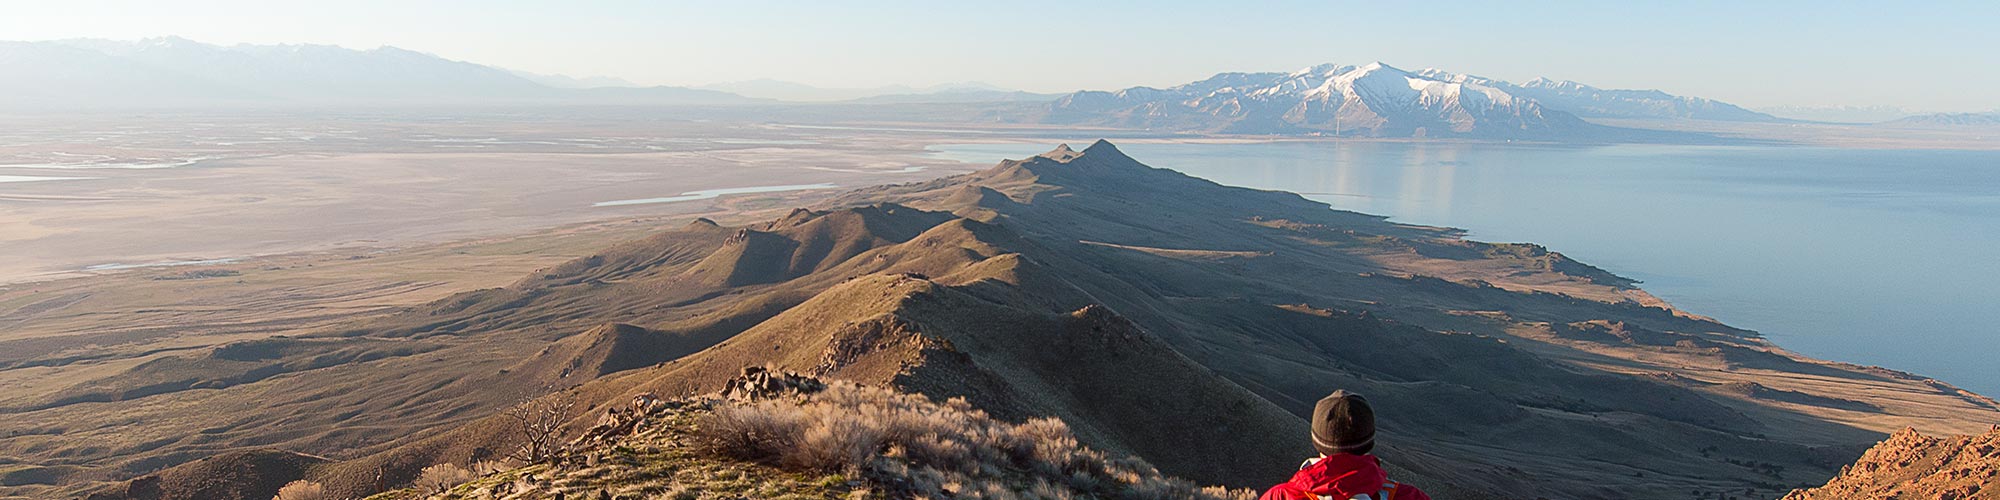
(1882,257)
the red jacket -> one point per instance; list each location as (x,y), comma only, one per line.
(1341,477)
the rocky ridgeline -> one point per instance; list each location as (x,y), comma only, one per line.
(1909,465)
(760,383)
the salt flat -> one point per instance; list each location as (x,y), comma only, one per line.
(176,188)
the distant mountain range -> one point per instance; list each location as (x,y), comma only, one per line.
(169,72)
(1592,102)
(1373,100)
(1838,114)
(176,72)
(1378,100)
(948,92)
(571,82)
(1987,119)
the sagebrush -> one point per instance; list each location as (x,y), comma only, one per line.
(442,477)
(302,490)
(947,450)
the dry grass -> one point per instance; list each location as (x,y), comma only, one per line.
(908,442)
(302,490)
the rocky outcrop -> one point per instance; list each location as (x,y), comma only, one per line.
(1913,466)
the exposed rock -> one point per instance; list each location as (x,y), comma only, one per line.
(1911,466)
(758,383)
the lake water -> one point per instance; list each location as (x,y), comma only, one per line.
(1882,257)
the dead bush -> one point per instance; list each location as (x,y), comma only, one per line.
(540,422)
(302,490)
(442,477)
(834,442)
(934,450)
(941,452)
(757,432)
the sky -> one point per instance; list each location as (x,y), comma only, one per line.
(1922,56)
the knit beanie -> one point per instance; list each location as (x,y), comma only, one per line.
(1343,423)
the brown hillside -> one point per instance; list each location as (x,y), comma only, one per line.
(1160,315)
(243,474)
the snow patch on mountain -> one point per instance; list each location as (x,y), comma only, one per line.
(1373,100)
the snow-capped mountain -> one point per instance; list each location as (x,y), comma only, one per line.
(1378,100)
(179,72)
(1592,102)
(1374,100)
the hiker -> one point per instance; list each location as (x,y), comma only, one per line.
(1343,431)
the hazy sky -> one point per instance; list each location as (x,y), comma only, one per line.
(1934,56)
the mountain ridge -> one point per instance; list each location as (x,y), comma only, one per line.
(1372,100)
(1948,120)
(1378,100)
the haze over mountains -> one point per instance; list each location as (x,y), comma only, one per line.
(1372,100)
(1987,119)
(941,93)
(176,72)
(1837,114)
(571,82)
(160,71)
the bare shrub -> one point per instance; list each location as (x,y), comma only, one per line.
(442,477)
(1044,429)
(941,452)
(302,490)
(757,432)
(835,442)
(540,423)
(933,450)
